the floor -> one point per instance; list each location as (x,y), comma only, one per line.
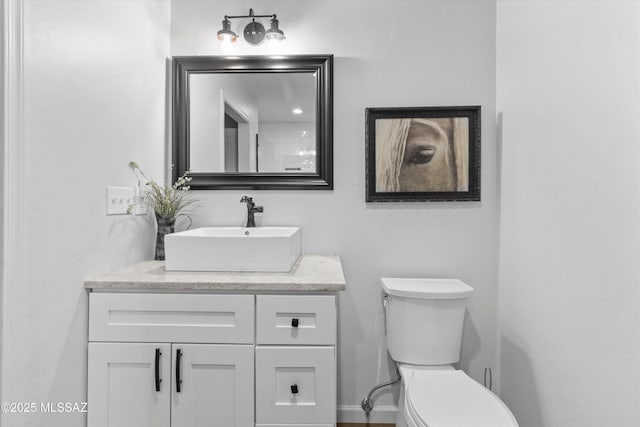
(359,425)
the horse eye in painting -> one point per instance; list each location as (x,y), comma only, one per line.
(423,155)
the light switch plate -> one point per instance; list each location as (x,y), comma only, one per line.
(140,208)
(118,200)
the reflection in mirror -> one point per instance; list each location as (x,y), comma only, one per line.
(252,122)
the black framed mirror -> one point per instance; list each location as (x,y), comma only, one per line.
(253,122)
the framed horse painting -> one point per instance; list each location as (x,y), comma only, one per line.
(417,154)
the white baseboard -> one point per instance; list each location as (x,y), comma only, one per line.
(383,414)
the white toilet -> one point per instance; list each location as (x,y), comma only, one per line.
(424,319)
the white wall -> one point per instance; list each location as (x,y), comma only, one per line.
(569,89)
(94,99)
(205,118)
(3,40)
(207,144)
(400,53)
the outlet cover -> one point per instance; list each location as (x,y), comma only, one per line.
(118,200)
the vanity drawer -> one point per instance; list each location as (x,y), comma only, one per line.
(296,319)
(295,385)
(129,317)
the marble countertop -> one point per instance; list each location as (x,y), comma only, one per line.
(312,273)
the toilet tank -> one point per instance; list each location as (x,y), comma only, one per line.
(424,319)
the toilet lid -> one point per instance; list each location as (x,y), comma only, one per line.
(449,398)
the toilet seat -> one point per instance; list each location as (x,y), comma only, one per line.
(450,398)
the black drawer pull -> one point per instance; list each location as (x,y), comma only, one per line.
(178,379)
(158,379)
(295,322)
(294,389)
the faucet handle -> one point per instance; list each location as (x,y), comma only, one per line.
(246,199)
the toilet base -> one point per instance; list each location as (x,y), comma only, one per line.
(400,421)
(404,418)
(402,415)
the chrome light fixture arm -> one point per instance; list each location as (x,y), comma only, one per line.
(250,15)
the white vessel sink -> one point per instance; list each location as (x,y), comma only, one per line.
(233,249)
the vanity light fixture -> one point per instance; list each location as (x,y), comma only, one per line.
(274,32)
(226,33)
(254,33)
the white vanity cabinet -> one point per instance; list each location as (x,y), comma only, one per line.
(181,378)
(220,360)
(182,349)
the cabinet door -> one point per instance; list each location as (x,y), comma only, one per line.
(216,385)
(129,385)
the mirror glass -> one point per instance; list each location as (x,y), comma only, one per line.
(252,122)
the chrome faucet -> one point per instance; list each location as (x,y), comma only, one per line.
(251,210)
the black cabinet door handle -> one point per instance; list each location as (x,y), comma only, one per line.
(158,379)
(178,380)
(294,389)
(295,322)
